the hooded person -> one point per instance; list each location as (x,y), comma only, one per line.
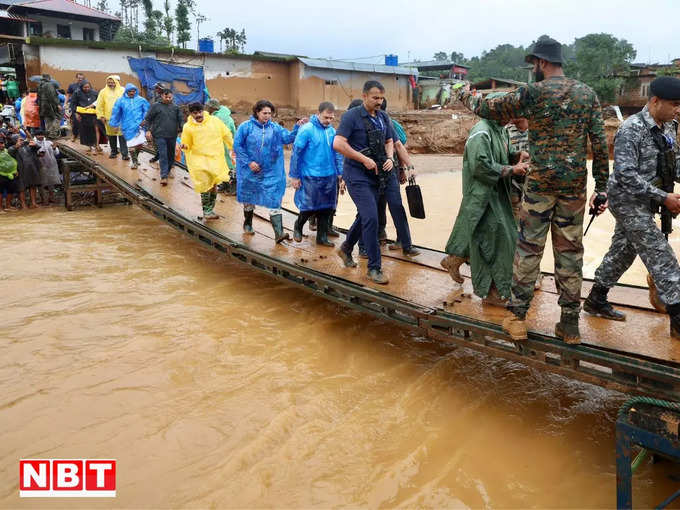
(128,113)
(223,113)
(9,176)
(83,108)
(29,111)
(315,169)
(49,169)
(203,141)
(49,107)
(105,101)
(260,173)
(485,233)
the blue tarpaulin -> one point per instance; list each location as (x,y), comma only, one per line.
(150,71)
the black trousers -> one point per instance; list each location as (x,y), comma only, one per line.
(113,143)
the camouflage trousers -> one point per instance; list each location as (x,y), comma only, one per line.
(563,216)
(638,234)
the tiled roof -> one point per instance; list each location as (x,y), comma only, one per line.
(61,6)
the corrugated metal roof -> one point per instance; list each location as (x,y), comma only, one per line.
(8,15)
(340,65)
(63,6)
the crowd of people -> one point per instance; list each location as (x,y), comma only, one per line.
(524,175)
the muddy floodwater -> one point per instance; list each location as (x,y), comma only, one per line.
(215,386)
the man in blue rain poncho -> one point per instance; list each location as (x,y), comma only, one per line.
(260,174)
(315,169)
(128,113)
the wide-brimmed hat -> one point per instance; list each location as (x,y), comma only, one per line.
(546,49)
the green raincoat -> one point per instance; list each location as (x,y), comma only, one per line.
(485,230)
(224,114)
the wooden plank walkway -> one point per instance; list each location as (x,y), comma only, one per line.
(419,280)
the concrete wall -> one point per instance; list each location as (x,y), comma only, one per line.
(49,24)
(340,87)
(62,63)
(236,82)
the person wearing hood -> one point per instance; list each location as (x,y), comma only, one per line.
(28,166)
(315,170)
(223,113)
(128,113)
(9,177)
(83,108)
(485,233)
(49,107)
(203,141)
(29,112)
(260,173)
(49,169)
(105,101)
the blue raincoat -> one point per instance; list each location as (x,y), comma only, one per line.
(262,143)
(129,112)
(317,166)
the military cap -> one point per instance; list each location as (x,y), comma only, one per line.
(213,103)
(546,49)
(666,87)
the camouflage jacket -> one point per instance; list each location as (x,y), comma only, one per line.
(562,113)
(630,186)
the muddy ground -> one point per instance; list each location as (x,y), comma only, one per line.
(428,131)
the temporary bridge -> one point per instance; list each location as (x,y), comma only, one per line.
(636,356)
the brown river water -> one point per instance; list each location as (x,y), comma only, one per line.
(215,386)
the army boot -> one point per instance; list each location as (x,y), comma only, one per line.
(297,230)
(596,304)
(277,225)
(674,314)
(248,222)
(654,299)
(567,328)
(452,264)
(516,327)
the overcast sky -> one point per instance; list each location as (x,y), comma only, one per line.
(349,29)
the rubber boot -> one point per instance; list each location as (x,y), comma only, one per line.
(515,327)
(452,264)
(596,304)
(297,230)
(322,231)
(674,314)
(331,230)
(654,299)
(248,222)
(567,328)
(312,223)
(277,225)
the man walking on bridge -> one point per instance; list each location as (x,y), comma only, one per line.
(562,113)
(203,141)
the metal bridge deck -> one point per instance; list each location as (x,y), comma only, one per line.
(636,356)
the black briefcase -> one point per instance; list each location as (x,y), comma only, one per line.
(415,199)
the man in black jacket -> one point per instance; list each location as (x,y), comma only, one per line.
(164,120)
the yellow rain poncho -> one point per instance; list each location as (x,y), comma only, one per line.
(105,101)
(204,154)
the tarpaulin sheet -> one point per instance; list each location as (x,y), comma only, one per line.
(150,71)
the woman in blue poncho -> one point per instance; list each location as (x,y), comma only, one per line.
(260,174)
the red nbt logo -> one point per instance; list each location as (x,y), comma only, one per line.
(61,478)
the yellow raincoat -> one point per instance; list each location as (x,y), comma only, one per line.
(105,101)
(205,143)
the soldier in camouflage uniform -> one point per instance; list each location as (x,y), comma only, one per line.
(631,192)
(563,113)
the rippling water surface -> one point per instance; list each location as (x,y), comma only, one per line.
(216,386)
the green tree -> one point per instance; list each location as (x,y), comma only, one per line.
(458,58)
(601,61)
(183,27)
(504,61)
(102,5)
(235,40)
(168,23)
(441,56)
